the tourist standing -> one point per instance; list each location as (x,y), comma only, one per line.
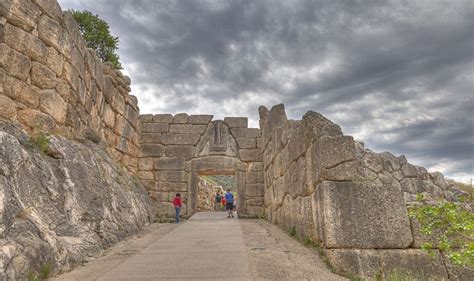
(229,198)
(177,206)
(223,203)
(217,202)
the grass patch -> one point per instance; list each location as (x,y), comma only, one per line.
(397,276)
(43,274)
(41,141)
(293,231)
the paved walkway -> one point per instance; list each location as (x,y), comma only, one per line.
(209,246)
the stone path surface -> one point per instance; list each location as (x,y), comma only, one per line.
(209,246)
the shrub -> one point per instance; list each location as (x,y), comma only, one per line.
(455,222)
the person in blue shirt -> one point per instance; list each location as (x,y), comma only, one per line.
(229,198)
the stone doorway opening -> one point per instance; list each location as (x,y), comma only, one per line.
(208,187)
(215,166)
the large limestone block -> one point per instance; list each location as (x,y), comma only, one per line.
(145,164)
(280,189)
(123,127)
(119,104)
(187,129)
(163,118)
(236,122)
(54,61)
(372,161)
(368,263)
(296,146)
(255,190)
(169,163)
(171,176)
(150,138)
(71,75)
(42,76)
(248,143)
(154,128)
(72,28)
(256,167)
(181,118)
(22,13)
(296,175)
(53,35)
(255,177)
(251,155)
(36,119)
(354,215)
(185,151)
(54,105)
(51,8)
(200,119)
(109,116)
(109,88)
(7,107)
(270,120)
(151,150)
(165,209)
(245,132)
(316,125)
(145,118)
(216,163)
(191,139)
(132,115)
(332,151)
(14,62)
(24,42)
(172,186)
(22,92)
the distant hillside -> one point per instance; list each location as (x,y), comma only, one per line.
(225,181)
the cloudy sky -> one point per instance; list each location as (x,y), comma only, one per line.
(397,75)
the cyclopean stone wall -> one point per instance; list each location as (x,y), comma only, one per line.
(327,187)
(50,81)
(175,150)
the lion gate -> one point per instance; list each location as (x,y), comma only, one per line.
(176,150)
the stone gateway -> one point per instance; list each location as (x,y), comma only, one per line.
(81,170)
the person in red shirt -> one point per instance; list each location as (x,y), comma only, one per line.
(177,206)
(223,203)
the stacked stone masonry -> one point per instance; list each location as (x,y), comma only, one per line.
(327,187)
(50,81)
(304,175)
(175,150)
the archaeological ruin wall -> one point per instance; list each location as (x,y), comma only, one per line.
(324,186)
(50,81)
(175,150)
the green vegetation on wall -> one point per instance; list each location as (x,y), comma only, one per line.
(96,33)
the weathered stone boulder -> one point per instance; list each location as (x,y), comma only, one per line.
(370,262)
(354,215)
(60,210)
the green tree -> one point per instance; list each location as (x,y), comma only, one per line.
(455,223)
(96,33)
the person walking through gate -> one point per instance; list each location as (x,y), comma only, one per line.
(217,202)
(177,206)
(229,198)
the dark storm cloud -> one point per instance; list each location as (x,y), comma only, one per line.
(395,74)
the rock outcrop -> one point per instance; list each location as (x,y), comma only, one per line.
(57,210)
